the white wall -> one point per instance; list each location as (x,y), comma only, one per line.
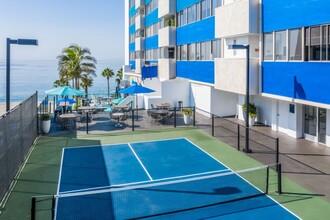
(264,109)
(200,97)
(328,128)
(223,103)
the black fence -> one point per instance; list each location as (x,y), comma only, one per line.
(135,119)
(264,148)
(18,131)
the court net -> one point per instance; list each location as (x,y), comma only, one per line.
(166,198)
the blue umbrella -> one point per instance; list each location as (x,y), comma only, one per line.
(136,89)
(69,101)
(65,90)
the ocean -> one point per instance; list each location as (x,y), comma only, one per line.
(27,77)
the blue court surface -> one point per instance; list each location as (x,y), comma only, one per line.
(168,179)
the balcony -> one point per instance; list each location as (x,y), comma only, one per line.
(166,69)
(166,8)
(139,4)
(139,43)
(139,63)
(238,18)
(230,75)
(139,22)
(166,37)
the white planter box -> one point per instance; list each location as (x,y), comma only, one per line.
(45,125)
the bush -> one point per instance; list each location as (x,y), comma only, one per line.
(252,110)
(45,117)
(187,111)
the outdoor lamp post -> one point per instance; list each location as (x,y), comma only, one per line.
(247,98)
(9,42)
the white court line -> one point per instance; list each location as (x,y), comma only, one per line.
(245,180)
(140,161)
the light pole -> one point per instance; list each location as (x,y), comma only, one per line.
(247,98)
(9,42)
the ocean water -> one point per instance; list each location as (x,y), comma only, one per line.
(28,77)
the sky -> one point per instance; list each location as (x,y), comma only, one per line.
(97,25)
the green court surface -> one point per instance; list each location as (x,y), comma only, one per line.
(41,171)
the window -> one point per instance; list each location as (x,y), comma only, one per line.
(315,43)
(328,41)
(206,8)
(324,43)
(198,11)
(216,48)
(191,51)
(295,42)
(183,52)
(215,4)
(280,45)
(191,12)
(198,51)
(206,50)
(268,47)
(171,52)
(178,56)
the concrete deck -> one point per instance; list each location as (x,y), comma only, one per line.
(305,162)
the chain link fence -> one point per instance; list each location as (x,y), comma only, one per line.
(18,130)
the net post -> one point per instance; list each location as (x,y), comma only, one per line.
(277,150)
(238,137)
(194,116)
(174,116)
(267,180)
(279,178)
(87,122)
(212,125)
(33,208)
(132,119)
(53,207)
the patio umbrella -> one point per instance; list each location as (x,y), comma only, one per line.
(136,89)
(65,91)
(67,101)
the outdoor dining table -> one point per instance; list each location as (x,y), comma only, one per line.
(160,114)
(86,108)
(68,119)
(163,105)
(120,107)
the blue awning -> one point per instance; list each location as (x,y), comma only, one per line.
(149,72)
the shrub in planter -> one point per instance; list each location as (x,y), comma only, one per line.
(252,113)
(45,122)
(187,113)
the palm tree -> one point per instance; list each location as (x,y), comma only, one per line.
(119,77)
(60,82)
(86,81)
(74,62)
(108,73)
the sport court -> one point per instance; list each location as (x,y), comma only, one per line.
(168,179)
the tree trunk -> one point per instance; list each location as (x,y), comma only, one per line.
(108,89)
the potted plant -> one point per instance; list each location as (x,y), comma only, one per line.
(187,113)
(252,113)
(45,123)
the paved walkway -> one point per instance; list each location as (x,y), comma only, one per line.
(303,161)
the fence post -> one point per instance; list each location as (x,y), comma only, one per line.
(53,207)
(277,150)
(175,117)
(212,125)
(87,122)
(33,208)
(267,180)
(132,119)
(279,178)
(238,137)
(37,110)
(194,116)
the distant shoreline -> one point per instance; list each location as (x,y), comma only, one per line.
(3,106)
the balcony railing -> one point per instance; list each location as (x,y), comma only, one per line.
(230,75)
(139,22)
(166,36)
(166,8)
(166,69)
(237,19)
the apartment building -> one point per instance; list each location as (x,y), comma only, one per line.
(180,48)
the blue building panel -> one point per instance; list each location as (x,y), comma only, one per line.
(300,80)
(182,4)
(196,32)
(132,29)
(151,42)
(132,47)
(287,14)
(152,18)
(202,71)
(132,11)
(147,1)
(132,63)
